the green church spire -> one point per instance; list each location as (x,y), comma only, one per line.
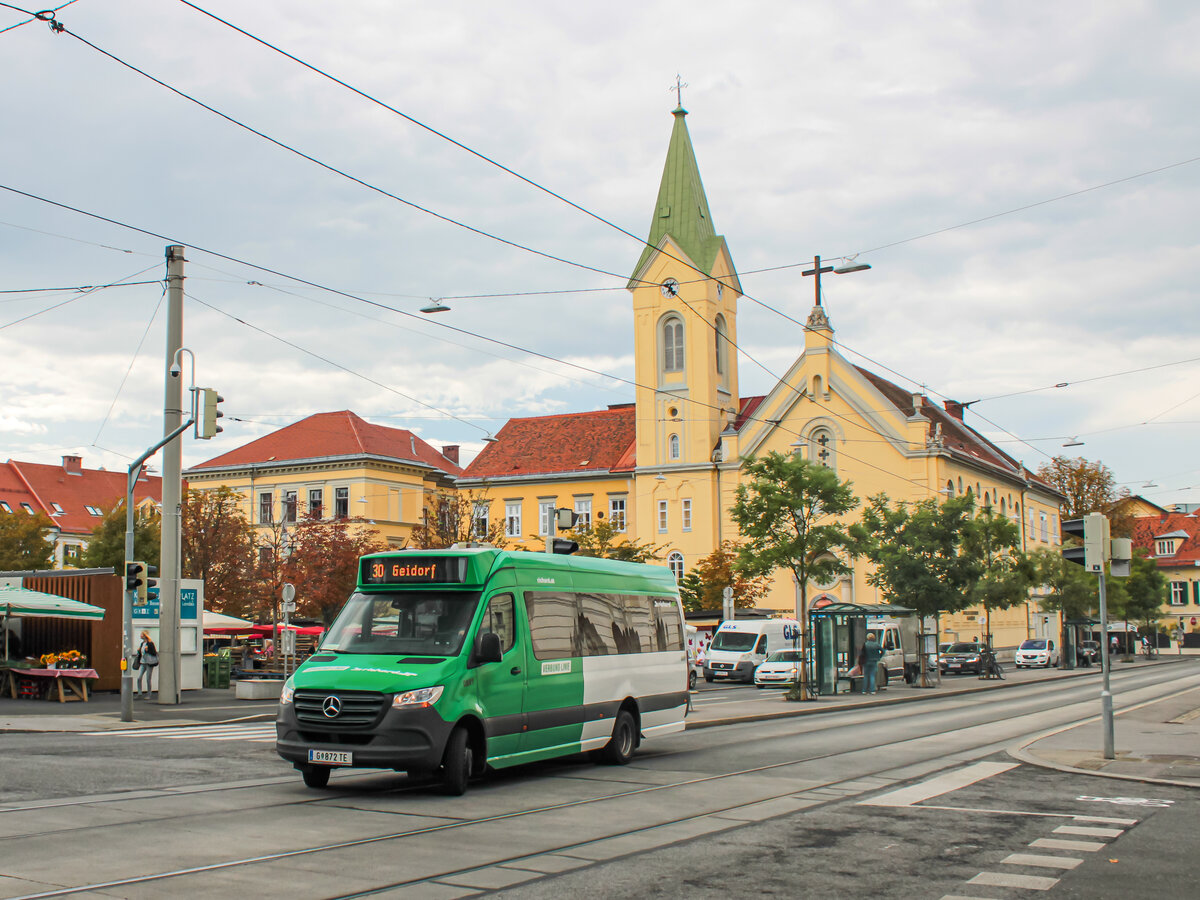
(682,209)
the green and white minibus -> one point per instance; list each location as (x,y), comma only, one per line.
(456,660)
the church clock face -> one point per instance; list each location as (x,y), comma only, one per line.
(669,288)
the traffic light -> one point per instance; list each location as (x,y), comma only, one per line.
(1122,552)
(564,546)
(1092,529)
(209,413)
(135,580)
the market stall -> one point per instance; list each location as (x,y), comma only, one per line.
(62,674)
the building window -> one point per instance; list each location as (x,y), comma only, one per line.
(950,489)
(480,520)
(341,503)
(1179,593)
(672,339)
(27,508)
(662,516)
(685,514)
(4,506)
(72,552)
(583,509)
(1164,548)
(675,564)
(1045,533)
(266,508)
(289,507)
(821,448)
(316,502)
(94,510)
(722,335)
(673,447)
(616,513)
(57,509)
(545,516)
(512,518)
(1032,525)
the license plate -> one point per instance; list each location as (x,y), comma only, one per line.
(952,665)
(330,757)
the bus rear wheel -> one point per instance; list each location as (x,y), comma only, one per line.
(457,762)
(619,750)
(315,776)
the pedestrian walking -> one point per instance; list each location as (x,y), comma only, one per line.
(871,655)
(145,662)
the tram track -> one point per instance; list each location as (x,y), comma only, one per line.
(985,743)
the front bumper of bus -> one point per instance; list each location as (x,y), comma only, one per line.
(407,740)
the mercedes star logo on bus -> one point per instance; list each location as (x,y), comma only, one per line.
(332,707)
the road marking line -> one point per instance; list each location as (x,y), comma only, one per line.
(1077,846)
(1007,879)
(1086,831)
(941,784)
(1106,820)
(964,897)
(1044,862)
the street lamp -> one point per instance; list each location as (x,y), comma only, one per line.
(435,305)
(848,266)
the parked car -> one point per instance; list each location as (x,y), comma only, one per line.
(962,657)
(780,669)
(1036,652)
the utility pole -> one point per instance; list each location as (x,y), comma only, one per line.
(1106,698)
(168,599)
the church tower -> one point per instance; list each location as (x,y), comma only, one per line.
(685,293)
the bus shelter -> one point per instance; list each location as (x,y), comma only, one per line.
(839,632)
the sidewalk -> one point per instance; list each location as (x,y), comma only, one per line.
(103,712)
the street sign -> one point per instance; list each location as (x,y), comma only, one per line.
(288,639)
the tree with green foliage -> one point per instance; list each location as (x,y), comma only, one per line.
(1005,573)
(916,551)
(1088,486)
(691,592)
(322,562)
(453,517)
(717,571)
(106,547)
(604,540)
(1070,590)
(1145,593)
(23,542)
(788,513)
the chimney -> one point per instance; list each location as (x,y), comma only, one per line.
(450,451)
(73,465)
(955,409)
(918,401)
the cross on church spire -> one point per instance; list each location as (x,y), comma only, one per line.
(678,87)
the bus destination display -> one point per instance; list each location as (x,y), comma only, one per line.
(414,570)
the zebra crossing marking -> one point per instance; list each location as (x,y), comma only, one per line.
(254,734)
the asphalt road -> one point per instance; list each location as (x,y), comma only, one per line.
(798,806)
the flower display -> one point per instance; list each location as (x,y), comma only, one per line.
(64,659)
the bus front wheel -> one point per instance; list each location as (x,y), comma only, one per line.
(619,750)
(316,776)
(457,762)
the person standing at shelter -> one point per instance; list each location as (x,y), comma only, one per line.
(145,662)
(871,655)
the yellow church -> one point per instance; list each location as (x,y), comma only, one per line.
(664,468)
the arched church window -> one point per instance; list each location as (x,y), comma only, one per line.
(722,337)
(675,564)
(673,446)
(672,342)
(950,489)
(822,449)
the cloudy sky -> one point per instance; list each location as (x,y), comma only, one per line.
(1023,177)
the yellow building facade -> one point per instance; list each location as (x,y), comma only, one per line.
(677,468)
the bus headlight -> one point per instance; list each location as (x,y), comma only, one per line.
(420,697)
(285,696)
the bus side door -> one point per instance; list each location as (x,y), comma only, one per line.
(501,686)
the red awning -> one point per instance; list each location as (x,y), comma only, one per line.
(267,630)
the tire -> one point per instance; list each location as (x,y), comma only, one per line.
(316,776)
(881,678)
(457,762)
(691,681)
(759,686)
(708,678)
(619,749)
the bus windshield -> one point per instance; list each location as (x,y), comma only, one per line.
(426,623)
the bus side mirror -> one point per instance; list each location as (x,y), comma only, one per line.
(489,650)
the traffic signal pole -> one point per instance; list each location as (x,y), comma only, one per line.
(1106,700)
(168,597)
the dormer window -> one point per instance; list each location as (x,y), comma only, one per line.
(1164,547)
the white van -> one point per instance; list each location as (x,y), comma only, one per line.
(739,646)
(898,638)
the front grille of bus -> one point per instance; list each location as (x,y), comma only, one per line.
(359,708)
(721,666)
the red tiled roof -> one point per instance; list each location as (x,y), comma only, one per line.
(748,406)
(1187,550)
(333,434)
(73,489)
(959,438)
(572,442)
